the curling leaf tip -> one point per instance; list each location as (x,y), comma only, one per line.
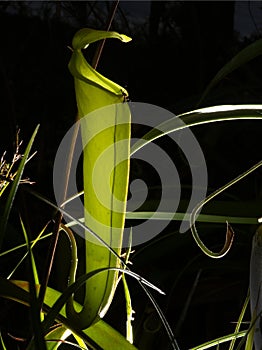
(86,36)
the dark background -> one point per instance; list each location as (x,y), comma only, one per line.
(177,47)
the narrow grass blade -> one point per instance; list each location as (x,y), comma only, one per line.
(143,215)
(32,244)
(20,246)
(129,309)
(37,341)
(14,187)
(249,340)
(31,256)
(239,321)
(2,342)
(129,312)
(218,341)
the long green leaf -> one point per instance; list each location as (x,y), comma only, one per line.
(199,117)
(129,309)
(239,321)
(38,341)
(14,187)
(218,341)
(247,54)
(106,134)
(143,215)
(31,256)
(2,342)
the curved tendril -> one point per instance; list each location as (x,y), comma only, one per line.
(230,232)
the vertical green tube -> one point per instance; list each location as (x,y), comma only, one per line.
(105,129)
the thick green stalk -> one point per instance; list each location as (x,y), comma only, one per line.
(106,139)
